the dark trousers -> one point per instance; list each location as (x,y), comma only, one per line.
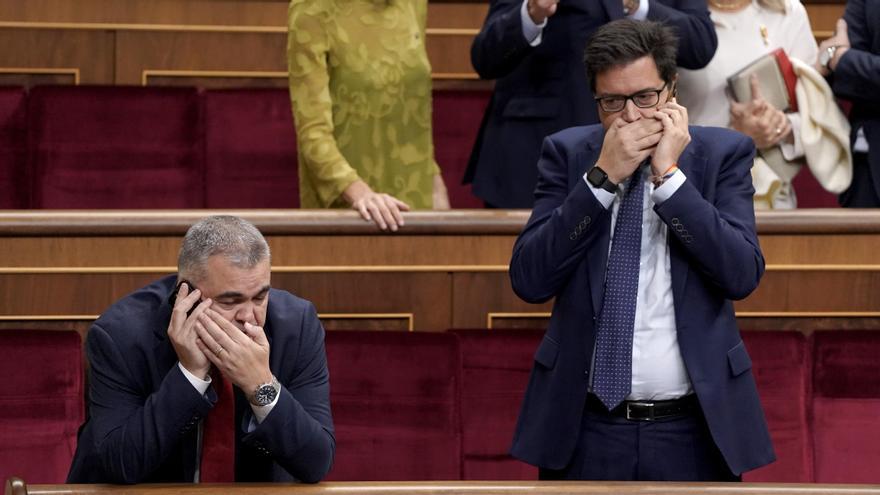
(617,449)
(861,193)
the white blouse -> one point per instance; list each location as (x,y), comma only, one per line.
(743,37)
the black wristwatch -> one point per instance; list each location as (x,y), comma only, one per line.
(598,178)
(264,394)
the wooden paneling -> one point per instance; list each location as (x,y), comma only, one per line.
(443,270)
(210,43)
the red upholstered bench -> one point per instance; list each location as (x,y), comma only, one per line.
(846,406)
(456,120)
(115,147)
(395,405)
(250,149)
(13,178)
(782,369)
(41,403)
(495,371)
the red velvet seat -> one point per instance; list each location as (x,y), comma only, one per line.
(495,372)
(115,147)
(782,368)
(41,403)
(846,406)
(395,405)
(250,149)
(456,120)
(13,178)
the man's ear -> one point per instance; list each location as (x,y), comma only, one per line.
(673,91)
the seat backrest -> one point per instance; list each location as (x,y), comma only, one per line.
(457,115)
(846,406)
(41,403)
(495,371)
(782,369)
(115,147)
(395,405)
(13,179)
(250,149)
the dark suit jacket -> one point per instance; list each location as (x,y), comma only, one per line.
(714,255)
(857,77)
(144,414)
(541,90)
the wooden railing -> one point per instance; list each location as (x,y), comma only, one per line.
(17,487)
(59,269)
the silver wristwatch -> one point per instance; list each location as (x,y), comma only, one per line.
(826,56)
(265,393)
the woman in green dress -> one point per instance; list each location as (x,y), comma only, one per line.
(360,87)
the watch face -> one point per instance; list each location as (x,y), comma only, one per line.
(596,176)
(265,394)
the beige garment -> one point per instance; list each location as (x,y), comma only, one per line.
(824,134)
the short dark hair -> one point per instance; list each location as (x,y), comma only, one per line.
(624,41)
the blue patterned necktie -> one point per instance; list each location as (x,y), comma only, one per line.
(613,363)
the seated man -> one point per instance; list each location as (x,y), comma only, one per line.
(644,231)
(160,358)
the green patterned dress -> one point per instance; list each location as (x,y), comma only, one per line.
(360,87)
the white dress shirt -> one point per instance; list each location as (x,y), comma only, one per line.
(658,370)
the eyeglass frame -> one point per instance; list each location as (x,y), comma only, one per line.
(630,97)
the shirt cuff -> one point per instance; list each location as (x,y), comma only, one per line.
(260,413)
(795,149)
(641,13)
(200,385)
(531,31)
(603,196)
(668,188)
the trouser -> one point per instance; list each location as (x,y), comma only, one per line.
(610,447)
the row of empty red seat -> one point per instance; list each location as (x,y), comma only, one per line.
(144,147)
(442,406)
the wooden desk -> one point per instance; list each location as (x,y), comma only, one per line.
(60,269)
(455,488)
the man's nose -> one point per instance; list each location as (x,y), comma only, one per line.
(631,111)
(246,313)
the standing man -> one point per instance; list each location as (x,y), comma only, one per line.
(534,48)
(644,231)
(163,361)
(851,61)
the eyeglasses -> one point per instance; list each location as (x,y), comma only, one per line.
(642,99)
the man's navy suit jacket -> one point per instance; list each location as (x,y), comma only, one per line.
(857,78)
(714,255)
(144,413)
(541,90)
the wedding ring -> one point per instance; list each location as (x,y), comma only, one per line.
(219,350)
(779,130)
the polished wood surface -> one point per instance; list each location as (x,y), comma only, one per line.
(210,43)
(442,270)
(463,488)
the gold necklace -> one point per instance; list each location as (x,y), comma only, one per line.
(729,6)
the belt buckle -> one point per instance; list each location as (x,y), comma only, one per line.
(649,406)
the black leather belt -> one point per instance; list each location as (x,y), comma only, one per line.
(648,410)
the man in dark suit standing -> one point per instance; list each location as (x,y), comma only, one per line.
(534,49)
(164,359)
(851,60)
(643,230)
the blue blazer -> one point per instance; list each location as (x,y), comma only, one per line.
(541,90)
(144,413)
(715,258)
(857,78)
